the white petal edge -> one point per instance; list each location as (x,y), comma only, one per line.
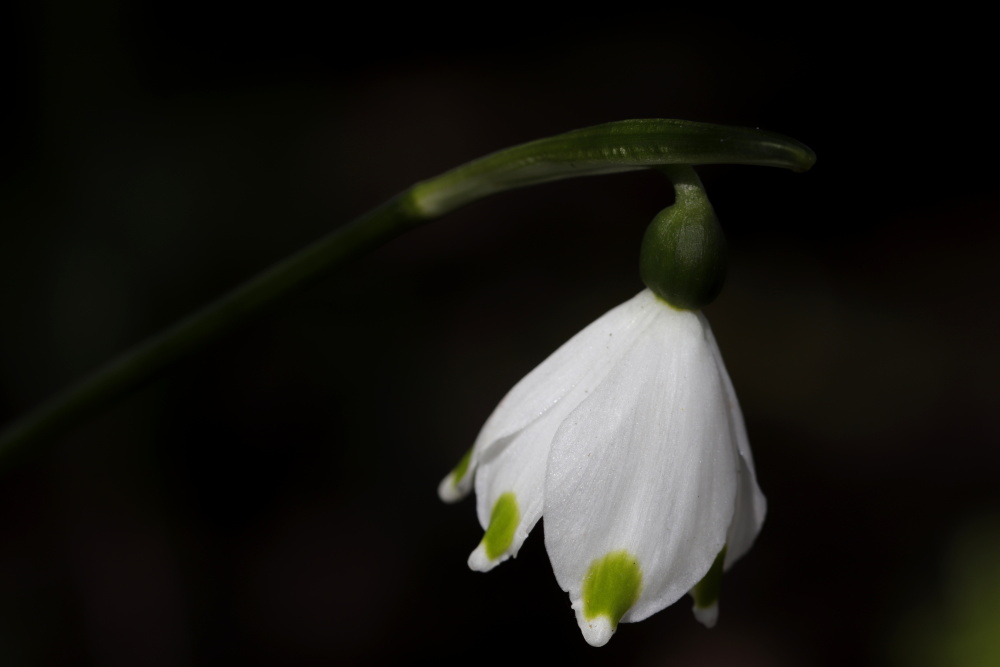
(519,469)
(751,505)
(646,464)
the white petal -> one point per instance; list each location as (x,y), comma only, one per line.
(518,466)
(751,506)
(707,616)
(575,367)
(518,472)
(450,491)
(646,466)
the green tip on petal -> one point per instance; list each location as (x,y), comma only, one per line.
(499,535)
(610,588)
(707,591)
(458,474)
(456,485)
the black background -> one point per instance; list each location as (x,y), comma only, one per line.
(272,500)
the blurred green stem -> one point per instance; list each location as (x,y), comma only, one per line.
(603,149)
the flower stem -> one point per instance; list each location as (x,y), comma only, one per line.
(608,148)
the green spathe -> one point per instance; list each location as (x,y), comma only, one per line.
(683,255)
(503,521)
(611,586)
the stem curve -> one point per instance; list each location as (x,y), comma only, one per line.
(602,149)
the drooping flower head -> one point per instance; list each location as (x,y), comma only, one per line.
(629,441)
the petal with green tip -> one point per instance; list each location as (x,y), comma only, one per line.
(647,464)
(706,593)
(609,589)
(457,484)
(518,463)
(496,543)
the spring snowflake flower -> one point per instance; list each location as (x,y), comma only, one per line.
(630,442)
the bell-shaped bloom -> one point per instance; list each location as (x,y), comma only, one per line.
(630,442)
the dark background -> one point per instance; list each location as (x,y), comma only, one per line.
(272,500)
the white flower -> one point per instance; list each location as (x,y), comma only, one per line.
(630,442)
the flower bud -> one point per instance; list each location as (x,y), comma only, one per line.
(683,255)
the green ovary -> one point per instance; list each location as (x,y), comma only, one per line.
(503,522)
(611,586)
